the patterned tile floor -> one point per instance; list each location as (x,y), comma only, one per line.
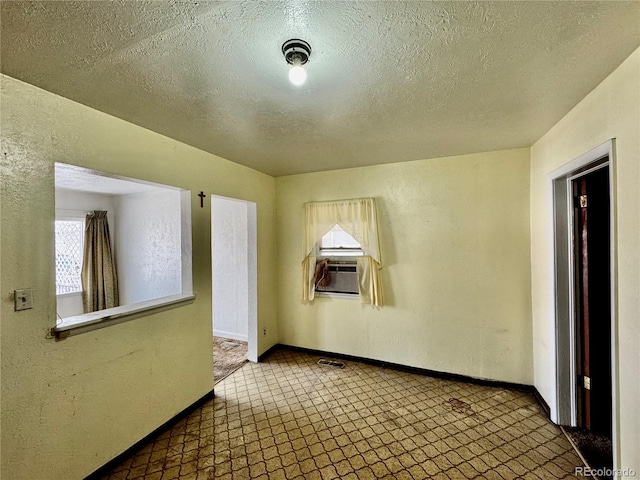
(290,418)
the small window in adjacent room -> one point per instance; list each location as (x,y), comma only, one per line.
(69,237)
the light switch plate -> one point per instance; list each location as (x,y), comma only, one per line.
(23,299)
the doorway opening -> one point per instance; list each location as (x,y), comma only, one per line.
(585,315)
(234,284)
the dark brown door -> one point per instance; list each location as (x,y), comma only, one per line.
(593,279)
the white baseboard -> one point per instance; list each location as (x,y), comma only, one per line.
(233,336)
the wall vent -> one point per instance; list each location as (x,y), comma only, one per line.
(330,363)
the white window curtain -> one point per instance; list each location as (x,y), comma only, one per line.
(358,218)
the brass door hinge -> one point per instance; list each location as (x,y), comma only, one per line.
(586,382)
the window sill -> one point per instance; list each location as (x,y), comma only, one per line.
(351,296)
(69,294)
(112,316)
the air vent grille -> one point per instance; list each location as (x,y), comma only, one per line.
(330,363)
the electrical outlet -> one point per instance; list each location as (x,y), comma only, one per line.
(23,299)
(264,332)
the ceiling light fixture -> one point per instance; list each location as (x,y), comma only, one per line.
(296,53)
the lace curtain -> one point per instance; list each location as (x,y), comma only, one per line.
(358,218)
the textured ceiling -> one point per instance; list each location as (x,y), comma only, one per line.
(387,81)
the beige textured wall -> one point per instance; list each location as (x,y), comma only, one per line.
(456,266)
(70,406)
(612,110)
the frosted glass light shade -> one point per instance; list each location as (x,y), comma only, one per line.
(297,75)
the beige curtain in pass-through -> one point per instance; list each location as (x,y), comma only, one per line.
(99,280)
(357,217)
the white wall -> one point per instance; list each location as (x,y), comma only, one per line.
(454,235)
(71,203)
(612,110)
(70,406)
(229,253)
(148,245)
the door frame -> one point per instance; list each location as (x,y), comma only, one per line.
(564,290)
(252,272)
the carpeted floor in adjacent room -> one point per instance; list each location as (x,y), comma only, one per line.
(228,356)
(597,450)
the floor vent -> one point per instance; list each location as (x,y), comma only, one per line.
(230,344)
(330,363)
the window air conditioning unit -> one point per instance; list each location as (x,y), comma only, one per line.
(344,279)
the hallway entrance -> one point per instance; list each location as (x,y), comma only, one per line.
(234,283)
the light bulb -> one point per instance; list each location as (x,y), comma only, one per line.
(297,75)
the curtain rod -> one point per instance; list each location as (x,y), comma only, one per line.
(342,200)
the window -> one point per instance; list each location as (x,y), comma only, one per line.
(357,237)
(337,243)
(339,249)
(69,237)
